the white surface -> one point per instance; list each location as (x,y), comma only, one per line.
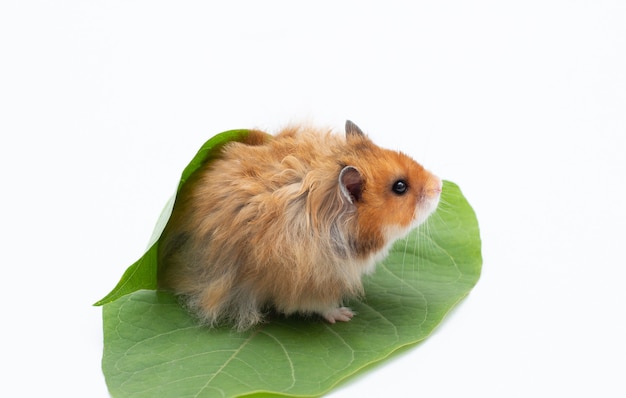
(524,106)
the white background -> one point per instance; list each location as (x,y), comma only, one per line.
(523,104)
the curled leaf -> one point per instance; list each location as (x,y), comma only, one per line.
(143,273)
(153,347)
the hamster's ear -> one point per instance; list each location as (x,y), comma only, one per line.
(353,129)
(351,183)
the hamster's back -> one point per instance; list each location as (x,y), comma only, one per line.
(260,225)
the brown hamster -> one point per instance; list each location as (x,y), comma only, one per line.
(289,222)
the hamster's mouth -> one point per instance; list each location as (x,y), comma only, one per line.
(428,203)
(425,207)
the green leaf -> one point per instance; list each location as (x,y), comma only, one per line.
(143,273)
(153,347)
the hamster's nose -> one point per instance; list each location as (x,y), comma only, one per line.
(435,187)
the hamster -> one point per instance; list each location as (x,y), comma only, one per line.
(289,223)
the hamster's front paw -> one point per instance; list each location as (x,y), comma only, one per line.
(343,314)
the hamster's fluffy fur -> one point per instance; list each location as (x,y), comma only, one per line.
(290,222)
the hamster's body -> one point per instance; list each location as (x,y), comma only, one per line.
(290,222)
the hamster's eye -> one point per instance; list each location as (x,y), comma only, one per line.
(400,187)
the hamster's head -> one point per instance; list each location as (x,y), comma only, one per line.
(392,193)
